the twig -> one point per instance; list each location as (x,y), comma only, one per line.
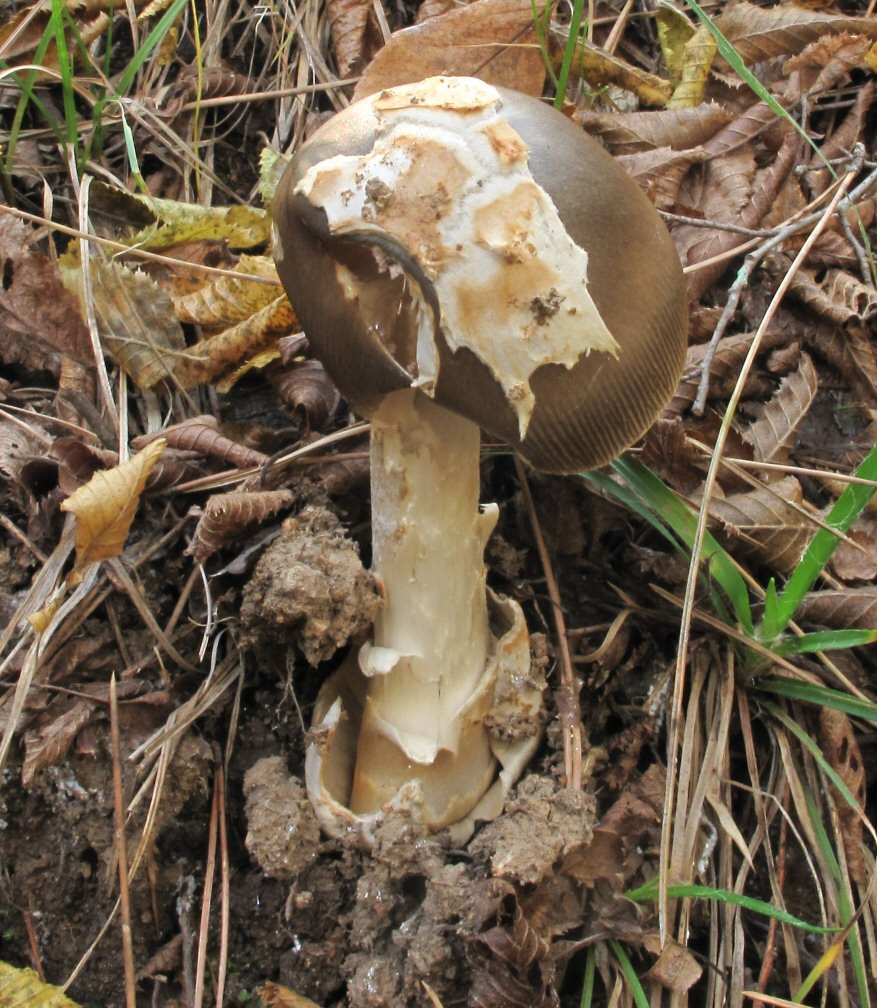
(206,900)
(27,920)
(225,889)
(568,709)
(121,852)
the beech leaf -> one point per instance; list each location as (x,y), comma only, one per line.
(105,505)
(22,988)
(772,434)
(490,39)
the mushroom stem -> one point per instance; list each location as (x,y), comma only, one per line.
(428,688)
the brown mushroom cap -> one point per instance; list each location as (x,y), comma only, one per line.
(584,415)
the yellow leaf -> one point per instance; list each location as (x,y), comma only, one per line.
(674,31)
(599,67)
(697,61)
(277,996)
(41,619)
(22,988)
(105,505)
(226,351)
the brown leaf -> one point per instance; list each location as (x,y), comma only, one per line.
(729,356)
(79,461)
(757,33)
(857,562)
(635,132)
(226,515)
(277,996)
(765,187)
(356,35)
(660,172)
(40,321)
(843,137)
(837,296)
(307,391)
(675,968)
(841,609)
(136,322)
(200,83)
(671,455)
(512,965)
(49,744)
(766,523)
(201,434)
(841,749)
(615,852)
(826,62)
(105,506)
(851,352)
(772,435)
(166,959)
(490,39)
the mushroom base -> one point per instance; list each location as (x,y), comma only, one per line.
(503,726)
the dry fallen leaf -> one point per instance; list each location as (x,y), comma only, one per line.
(490,39)
(22,988)
(772,434)
(39,318)
(136,321)
(277,996)
(675,968)
(105,505)
(48,744)
(226,516)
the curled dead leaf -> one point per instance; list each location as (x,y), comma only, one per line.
(512,966)
(104,506)
(307,391)
(201,434)
(226,515)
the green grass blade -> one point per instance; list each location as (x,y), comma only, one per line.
(65,68)
(845,908)
(851,503)
(129,74)
(540,26)
(680,517)
(822,696)
(649,891)
(587,999)
(814,750)
(825,640)
(575,24)
(636,988)
(26,83)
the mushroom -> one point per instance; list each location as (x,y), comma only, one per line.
(463,259)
